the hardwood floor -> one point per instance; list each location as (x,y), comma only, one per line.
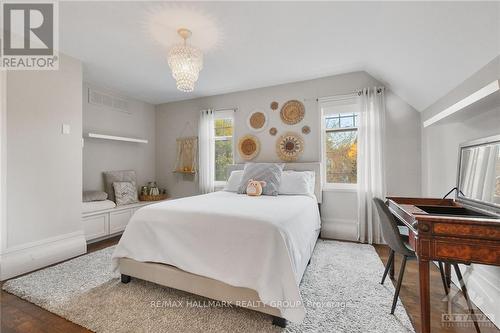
(410,298)
(21,316)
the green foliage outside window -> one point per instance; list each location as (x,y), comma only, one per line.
(341,149)
(223,147)
(223,127)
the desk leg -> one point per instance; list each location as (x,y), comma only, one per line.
(393,264)
(447,273)
(425,306)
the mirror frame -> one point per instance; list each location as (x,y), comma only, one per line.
(488,206)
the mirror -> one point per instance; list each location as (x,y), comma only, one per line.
(479,172)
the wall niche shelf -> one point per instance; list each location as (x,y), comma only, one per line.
(185,172)
(115,138)
(492,88)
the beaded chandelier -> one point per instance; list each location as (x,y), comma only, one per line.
(186,62)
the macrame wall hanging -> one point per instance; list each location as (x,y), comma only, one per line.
(187,150)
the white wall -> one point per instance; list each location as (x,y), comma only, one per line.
(440,143)
(441,139)
(44,168)
(403,148)
(105,155)
(403,135)
(339,214)
(3,160)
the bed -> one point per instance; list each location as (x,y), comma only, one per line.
(247,251)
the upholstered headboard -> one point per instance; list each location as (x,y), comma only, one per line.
(298,166)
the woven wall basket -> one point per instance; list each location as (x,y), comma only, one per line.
(289,146)
(248,147)
(292,112)
(257,121)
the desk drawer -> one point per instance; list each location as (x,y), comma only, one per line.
(483,253)
(466,230)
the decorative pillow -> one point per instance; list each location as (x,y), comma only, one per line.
(88,196)
(117,176)
(297,183)
(233,183)
(254,187)
(125,193)
(268,172)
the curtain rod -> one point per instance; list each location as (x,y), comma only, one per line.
(226,109)
(358,92)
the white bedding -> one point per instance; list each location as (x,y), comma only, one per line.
(262,243)
(94,206)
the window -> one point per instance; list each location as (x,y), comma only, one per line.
(223,144)
(340,141)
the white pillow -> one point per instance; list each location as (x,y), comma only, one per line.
(297,182)
(233,183)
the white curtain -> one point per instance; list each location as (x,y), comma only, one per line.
(206,141)
(371,168)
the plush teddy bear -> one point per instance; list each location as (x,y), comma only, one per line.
(254,187)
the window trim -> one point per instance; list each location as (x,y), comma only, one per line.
(340,187)
(333,102)
(223,114)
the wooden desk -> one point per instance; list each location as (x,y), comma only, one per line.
(462,239)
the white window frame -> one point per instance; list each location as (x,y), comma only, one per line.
(344,104)
(223,114)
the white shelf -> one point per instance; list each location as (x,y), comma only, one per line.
(115,138)
(485,91)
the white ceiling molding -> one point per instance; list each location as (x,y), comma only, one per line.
(460,105)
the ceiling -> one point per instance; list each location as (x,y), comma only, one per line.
(420,50)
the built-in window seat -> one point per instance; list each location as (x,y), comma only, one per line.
(104,223)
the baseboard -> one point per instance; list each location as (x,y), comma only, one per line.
(95,240)
(32,256)
(483,286)
(342,229)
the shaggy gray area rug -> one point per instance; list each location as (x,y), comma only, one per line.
(340,289)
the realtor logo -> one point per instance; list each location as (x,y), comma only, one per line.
(29,36)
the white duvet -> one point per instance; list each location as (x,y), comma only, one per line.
(262,243)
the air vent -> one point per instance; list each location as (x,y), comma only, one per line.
(107,100)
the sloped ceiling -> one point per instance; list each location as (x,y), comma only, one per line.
(420,50)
